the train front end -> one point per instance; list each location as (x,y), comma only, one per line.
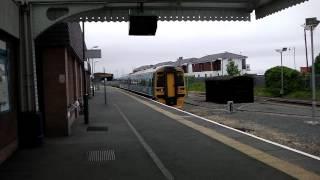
(169,86)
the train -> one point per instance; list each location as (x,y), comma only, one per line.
(165,84)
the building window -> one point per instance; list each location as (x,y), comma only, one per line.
(243,61)
(217,65)
(4,78)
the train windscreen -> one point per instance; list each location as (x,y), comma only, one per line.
(179,79)
(160,79)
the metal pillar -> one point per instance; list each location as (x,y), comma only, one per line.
(27,64)
(104,85)
(30,123)
(313,78)
(92,76)
(306,46)
(85,90)
(294,58)
(311,24)
(281,90)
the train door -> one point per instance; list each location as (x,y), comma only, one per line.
(170,85)
(170,98)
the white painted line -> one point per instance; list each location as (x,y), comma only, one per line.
(256,137)
(243,106)
(149,150)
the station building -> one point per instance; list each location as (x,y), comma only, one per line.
(51,101)
(59,53)
(9,56)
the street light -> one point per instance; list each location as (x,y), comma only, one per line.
(294,56)
(281,51)
(92,71)
(94,47)
(311,24)
(94,66)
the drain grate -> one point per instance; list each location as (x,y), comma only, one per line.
(101,156)
(97,128)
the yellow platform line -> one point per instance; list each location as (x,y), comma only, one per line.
(284,166)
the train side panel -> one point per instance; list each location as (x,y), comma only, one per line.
(164,84)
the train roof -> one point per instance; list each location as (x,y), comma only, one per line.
(150,70)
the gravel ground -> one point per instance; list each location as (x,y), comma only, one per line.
(286,124)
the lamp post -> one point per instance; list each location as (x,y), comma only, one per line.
(94,47)
(92,71)
(294,56)
(94,66)
(305,44)
(311,24)
(281,51)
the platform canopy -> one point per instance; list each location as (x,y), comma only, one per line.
(171,10)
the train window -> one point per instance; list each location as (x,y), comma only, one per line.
(180,80)
(143,82)
(160,79)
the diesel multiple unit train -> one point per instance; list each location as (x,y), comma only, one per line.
(164,84)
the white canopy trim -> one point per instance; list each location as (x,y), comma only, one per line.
(119,15)
(182,10)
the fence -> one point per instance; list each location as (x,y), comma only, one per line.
(237,89)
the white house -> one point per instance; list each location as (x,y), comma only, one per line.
(212,65)
(207,66)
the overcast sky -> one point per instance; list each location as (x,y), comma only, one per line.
(257,39)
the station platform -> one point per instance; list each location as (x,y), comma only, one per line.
(132,137)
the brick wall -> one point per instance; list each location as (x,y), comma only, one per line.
(55,91)
(62,87)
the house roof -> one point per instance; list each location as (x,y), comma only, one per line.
(141,68)
(224,55)
(164,63)
(181,62)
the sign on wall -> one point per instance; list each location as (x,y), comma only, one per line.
(93,53)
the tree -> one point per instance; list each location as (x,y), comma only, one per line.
(292,80)
(232,69)
(317,64)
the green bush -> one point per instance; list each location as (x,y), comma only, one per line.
(292,80)
(195,84)
(317,64)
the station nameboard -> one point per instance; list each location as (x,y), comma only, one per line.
(93,53)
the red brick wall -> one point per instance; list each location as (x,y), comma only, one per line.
(70,82)
(80,81)
(55,91)
(75,79)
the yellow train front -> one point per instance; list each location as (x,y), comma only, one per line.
(169,86)
(164,84)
